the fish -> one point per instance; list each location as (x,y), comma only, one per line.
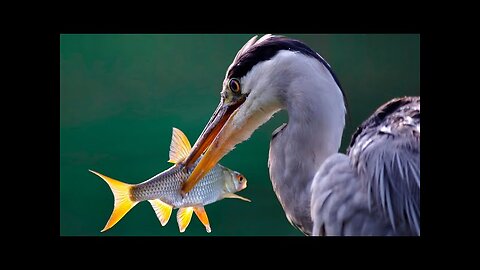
(163,190)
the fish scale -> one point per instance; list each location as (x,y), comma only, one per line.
(166,186)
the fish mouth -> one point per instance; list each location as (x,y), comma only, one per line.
(243,186)
(216,139)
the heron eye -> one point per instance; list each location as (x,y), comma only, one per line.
(234,85)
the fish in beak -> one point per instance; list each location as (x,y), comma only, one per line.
(234,121)
(246,103)
(216,140)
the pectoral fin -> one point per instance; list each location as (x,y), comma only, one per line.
(235,196)
(162,210)
(179,147)
(202,215)
(184,215)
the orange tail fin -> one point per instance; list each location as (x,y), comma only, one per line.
(123,202)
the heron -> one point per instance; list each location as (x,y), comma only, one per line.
(373,189)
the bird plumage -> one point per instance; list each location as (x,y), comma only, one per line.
(375,188)
(385,151)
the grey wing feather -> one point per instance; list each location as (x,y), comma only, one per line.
(375,190)
(339,204)
(385,152)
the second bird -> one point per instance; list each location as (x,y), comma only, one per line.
(163,189)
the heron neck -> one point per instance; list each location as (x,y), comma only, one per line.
(314,132)
(315,126)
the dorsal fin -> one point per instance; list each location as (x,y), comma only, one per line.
(179,147)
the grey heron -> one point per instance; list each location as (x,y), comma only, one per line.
(374,189)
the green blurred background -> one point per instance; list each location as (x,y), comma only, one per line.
(120,96)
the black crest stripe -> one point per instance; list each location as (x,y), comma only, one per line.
(268,49)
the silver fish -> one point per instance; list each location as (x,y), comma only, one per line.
(163,190)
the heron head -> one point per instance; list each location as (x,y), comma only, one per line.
(252,91)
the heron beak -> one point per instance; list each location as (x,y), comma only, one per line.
(215,139)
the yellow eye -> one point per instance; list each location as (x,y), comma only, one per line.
(234,85)
(240,178)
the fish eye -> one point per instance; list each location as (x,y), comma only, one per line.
(240,178)
(234,85)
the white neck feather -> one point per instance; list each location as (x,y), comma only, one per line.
(316,113)
(316,110)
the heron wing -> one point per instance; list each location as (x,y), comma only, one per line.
(375,190)
(339,203)
(385,153)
